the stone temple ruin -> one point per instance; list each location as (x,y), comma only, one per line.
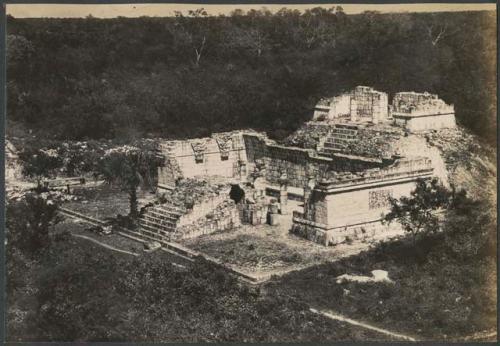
(331,179)
(410,110)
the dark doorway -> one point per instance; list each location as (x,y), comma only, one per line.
(236,193)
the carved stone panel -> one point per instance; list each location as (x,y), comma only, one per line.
(379,199)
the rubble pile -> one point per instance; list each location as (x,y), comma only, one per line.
(367,142)
(223,217)
(457,145)
(188,192)
(470,165)
(308,136)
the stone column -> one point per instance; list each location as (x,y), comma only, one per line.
(353,109)
(307,195)
(283,198)
(283,181)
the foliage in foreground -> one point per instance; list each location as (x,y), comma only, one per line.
(418,213)
(83,294)
(65,289)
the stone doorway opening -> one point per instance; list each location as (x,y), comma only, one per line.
(236,193)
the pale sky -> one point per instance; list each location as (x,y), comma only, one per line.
(163,10)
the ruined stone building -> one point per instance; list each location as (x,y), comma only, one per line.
(345,205)
(409,110)
(363,104)
(341,168)
(421,111)
(222,154)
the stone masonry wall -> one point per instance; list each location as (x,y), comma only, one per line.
(426,123)
(220,155)
(297,163)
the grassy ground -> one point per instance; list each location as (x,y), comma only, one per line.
(115,240)
(430,298)
(265,250)
(292,322)
(250,251)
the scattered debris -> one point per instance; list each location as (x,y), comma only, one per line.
(377,276)
(151,246)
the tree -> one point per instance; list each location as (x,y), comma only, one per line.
(248,39)
(417,213)
(40,163)
(470,228)
(128,166)
(195,30)
(19,49)
(28,221)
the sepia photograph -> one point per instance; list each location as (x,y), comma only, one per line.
(250,172)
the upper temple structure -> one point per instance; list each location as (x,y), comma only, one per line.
(410,110)
(363,104)
(329,181)
(421,111)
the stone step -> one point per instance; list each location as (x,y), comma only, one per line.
(167,209)
(155,232)
(153,235)
(167,225)
(170,207)
(156,226)
(159,221)
(166,213)
(162,215)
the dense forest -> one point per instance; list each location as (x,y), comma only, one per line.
(193,74)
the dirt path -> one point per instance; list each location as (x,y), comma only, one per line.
(337,317)
(104,245)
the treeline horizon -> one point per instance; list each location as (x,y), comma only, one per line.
(194,74)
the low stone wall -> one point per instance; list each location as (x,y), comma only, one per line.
(426,123)
(316,233)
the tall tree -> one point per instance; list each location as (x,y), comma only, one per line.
(40,163)
(128,166)
(28,222)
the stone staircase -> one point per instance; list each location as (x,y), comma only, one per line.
(338,139)
(160,221)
